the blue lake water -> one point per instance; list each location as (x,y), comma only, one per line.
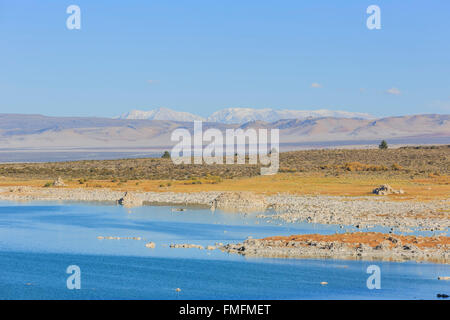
(39,240)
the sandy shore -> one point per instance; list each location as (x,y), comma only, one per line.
(360,212)
(358,246)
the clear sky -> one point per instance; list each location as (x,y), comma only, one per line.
(201,56)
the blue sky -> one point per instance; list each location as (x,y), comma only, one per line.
(201,56)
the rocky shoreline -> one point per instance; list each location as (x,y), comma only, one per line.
(360,212)
(127,199)
(354,246)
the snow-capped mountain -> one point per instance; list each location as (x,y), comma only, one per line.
(37,132)
(242,115)
(160,114)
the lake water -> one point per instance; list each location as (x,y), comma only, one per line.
(39,240)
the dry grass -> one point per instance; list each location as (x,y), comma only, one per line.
(422,172)
(293,183)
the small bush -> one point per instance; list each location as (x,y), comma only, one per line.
(166,155)
(383,145)
(288,170)
(396,167)
(358,166)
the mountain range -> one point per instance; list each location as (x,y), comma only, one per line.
(37,132)
(240,115)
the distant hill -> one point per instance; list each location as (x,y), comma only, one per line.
(161,114)
(37,132)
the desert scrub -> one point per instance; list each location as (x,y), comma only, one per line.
(396,167)
(357,166)
(406,160)
(284,169)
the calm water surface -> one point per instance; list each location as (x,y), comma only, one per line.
(39,240)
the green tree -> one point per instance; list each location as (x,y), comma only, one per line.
(166,155)
(383,145)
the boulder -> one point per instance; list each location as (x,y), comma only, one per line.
(240,202)
(59,182)
(150,245)
(386,189)
(130,200)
